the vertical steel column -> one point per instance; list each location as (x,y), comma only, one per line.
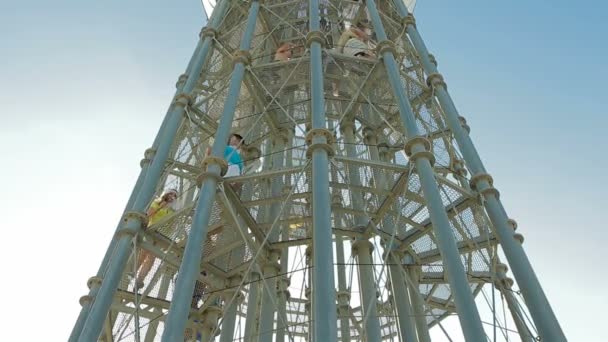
(209,319)
(324,293)
(189,269)
(283,283)
(418,149)
(162,292)
(343,292)
(348,132)
(93,324)
(251,320)
(271,268)
(401,298)
(362,248)
(418,303)
(536,300)
(369,303)
(504,284)
(232,299)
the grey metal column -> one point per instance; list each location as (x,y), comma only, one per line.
(232,299)
(362,248)
(399,289)
(343,291)
(324,293)
(190,267)
(536,300)
(251,320)
(272,268)
(136,216)
(209,319)
(162,292)
(283,282)
(417,302)
(418,149)
(348,131)
(504,284)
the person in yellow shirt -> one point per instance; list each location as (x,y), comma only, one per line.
(159,208)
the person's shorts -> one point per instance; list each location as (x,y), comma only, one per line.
(233,171)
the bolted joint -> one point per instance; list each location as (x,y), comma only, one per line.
(480,177)
(282,135)
(313,144)
(463,123)
(369,134)
(519,238)
(94,282)
(148,156)
(210,317)
(512,223)
(458,167)
(336,200)
(207,32)
(424,153)
(181,80)
(432,59)
(504,283)
(315,36)
(213,160)
(434,80)
(408,20)
(385,46)
(140,220)
(501,269)
(182,99)
(202,176)
(84,300)
(360,245)
(241,56)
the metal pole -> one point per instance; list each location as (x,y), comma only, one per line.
(398,288)
(536,300)
(283,284)
(103,297)
(189,269)
(401,298)
(230,309)
(251,320)
(343,293)
(209,319)
(362,248)
(504,286)
(418,303)
(271,268)
(162,292)
(324,293)
(418,149)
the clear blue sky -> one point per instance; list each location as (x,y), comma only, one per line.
(83,87)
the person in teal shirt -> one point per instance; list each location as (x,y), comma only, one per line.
(232,155)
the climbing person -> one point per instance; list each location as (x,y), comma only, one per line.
(356,41)
(160,207)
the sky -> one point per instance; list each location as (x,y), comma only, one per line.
(84,87)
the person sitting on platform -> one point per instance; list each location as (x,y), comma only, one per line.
(160,207)
(356,41)
(284,52)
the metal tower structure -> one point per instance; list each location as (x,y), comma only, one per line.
(363,211)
